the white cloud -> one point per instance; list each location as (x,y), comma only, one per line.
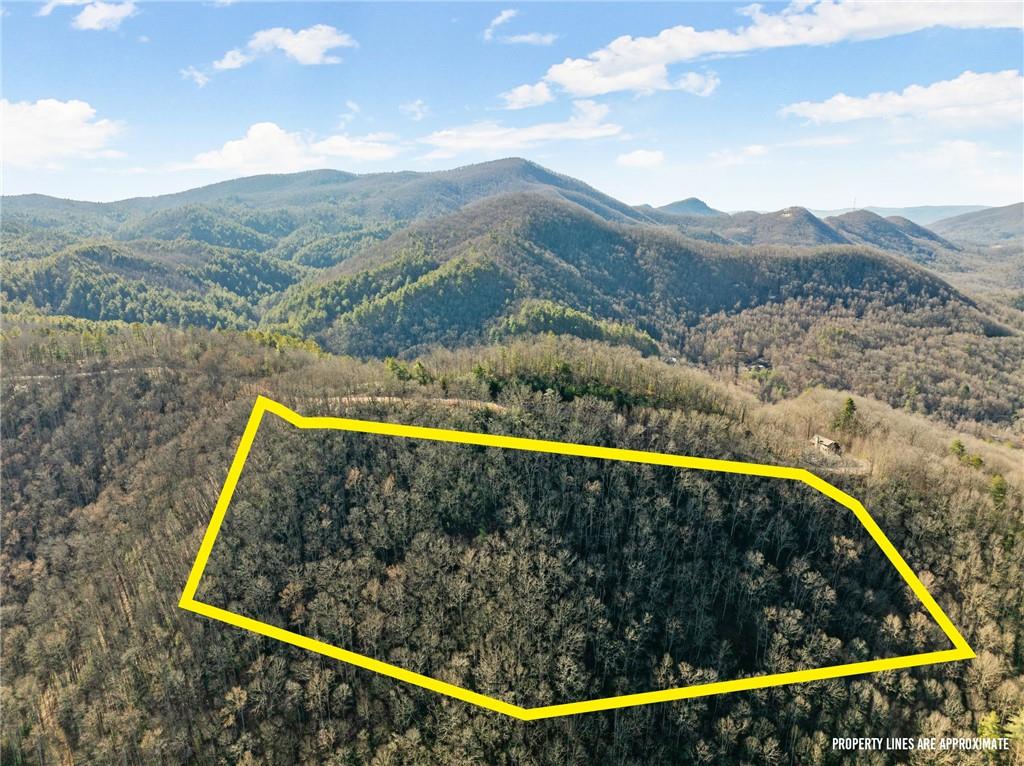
(44,132)
(994,97)
(353,110)
(99,15)
(373,147)
(268,148)
(48,8)
(527,95)
(530,38)
(642,64)
(698,83)
(193,74)
(307,46)
(233,59)
(415,110)
(641,158)
(491,137)
(502,18)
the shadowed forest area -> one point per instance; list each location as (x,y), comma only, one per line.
(552,579)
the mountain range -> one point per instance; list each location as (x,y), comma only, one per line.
(924,215)
(391,264)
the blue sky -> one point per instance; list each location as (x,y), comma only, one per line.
(748,107)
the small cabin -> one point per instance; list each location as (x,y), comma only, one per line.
(828,446)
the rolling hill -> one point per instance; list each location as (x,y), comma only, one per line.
(893,234)
(923,215)
(993,226)
(320,218)
(488,252)
(515,247)
(379,196)
(689,206)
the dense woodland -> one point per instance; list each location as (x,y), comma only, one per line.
(508,299)
(116,439)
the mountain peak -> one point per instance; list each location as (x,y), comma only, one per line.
(690,206)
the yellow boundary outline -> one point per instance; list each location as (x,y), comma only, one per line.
(960,651)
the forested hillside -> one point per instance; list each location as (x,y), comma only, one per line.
(992,226)
(825,307)
(547,581)
(392,264)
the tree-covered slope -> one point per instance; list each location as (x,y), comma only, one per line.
(390,264)
(546,581)
(179,283)
(897,235)
(992,226)
(465,278)
(690,206)
(377,196)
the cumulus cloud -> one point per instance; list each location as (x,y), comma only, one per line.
(193,74)
(309,46)
(268,148)
(641,158)
(100,15)
(527,95)
(233,59)
(587,122)
(415,110)
(641,64)
(43,133)
(985,98)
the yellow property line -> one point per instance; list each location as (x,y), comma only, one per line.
(960,651)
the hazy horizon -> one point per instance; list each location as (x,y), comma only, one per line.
(710,203)
(745,107)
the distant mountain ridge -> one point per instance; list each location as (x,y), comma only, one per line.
(689,206)
(398,196)
(398,264)
(894,234)
(328,219)
(255,211)
(923,215)
(992,226)
(488,257)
